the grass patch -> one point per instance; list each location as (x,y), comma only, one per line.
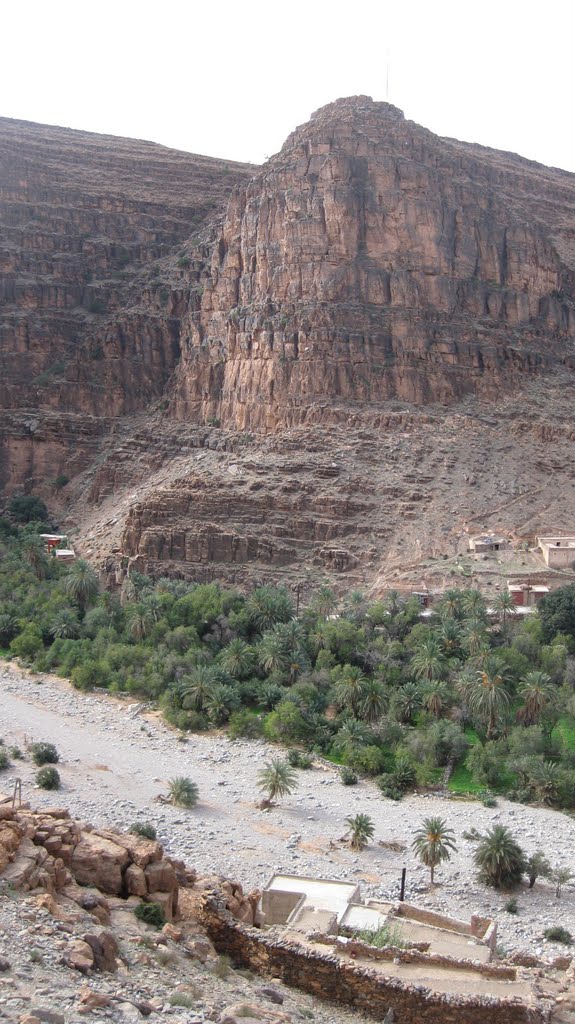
(462,781)
(385,935)
(565,730)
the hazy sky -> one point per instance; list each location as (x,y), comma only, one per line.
(233,78)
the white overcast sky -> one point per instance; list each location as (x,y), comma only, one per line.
(233,78)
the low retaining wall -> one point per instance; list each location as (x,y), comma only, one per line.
(328,977)
(415,955)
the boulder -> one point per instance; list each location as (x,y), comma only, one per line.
(104,949)
(161,877)
(167,902)
(141,851)
(79,956)
(135,881)
(99,862)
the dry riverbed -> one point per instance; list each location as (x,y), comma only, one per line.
(115,761)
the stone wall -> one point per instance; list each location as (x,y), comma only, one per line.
(329,977)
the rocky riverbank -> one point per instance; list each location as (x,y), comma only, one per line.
(116,759)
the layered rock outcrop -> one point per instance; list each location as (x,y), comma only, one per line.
(371,260)
(285,374)
(93,275)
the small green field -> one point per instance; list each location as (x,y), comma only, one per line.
(462,782)
(565,730)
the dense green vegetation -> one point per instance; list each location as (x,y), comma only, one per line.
(487,700)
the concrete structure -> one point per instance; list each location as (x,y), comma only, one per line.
(287,898)
(56,544)
(487,543)
(558,552)
(526,595)
(309,906)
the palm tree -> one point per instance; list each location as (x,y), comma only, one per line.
(237,659)
(452,603)
(474,638)
(474,604)
(197,688)
(268,605)
(139,620)
(360,829)
(35,554)
(272,651)
(548,779)
(183,791)
(435,697)
(374,701)
(449,635)
(277,779)
(504,606)
(537,695)
(81,584)
(500,859)
(350,689)
(487,695)
(428,662)
(220,702)
(324,602)
(406,702)
(65,625)
(433,843)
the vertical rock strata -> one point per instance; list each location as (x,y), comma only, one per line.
(372,260)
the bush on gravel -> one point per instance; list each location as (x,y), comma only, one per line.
(44,753)
(48,778)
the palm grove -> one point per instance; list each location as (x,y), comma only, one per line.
(484,703)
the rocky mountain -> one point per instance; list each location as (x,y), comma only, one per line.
(337,368)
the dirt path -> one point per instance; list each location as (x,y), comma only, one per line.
(115,761)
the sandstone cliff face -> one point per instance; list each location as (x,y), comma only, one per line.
(91,230)
(332,368)
(371,260)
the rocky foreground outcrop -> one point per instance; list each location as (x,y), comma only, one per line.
(71,946)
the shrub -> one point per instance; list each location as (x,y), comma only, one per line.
(223,966)
(44,753)
(182,999)
(183,792)
(28,643)
(558,934)
(242,724)
(297,759)
(17,753)
(489,800)
(388,787)
(144,829)
(385,935)
(348,776)
(26,508)
(150,913)
(500,859)
(4,759)
(511,906)
(48,778)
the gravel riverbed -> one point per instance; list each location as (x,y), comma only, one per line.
(115,760)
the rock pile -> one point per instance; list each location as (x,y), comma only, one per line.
(49,850)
